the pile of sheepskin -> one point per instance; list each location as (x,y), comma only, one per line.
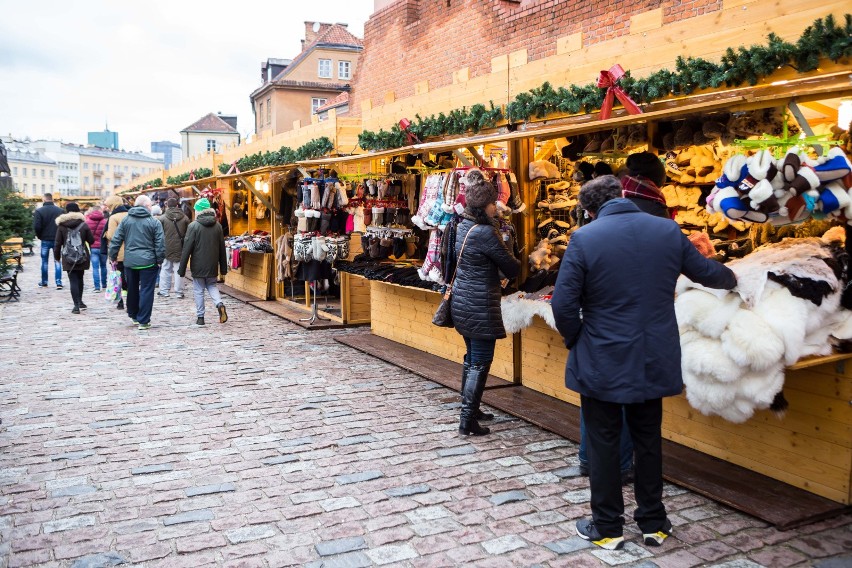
(790,302)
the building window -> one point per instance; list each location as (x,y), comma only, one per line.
(259,116)
(106,167)
(43,188)
(51,187)
(325,68)
(268,111)
(85,165)
(211,145)
(35,173)
(26,187)
(344,70)
(15,171)
(42,173)
(316,103)
(51,174)
(86,180)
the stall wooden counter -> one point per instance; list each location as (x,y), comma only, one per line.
(404,314)
(810,447)
(254,276)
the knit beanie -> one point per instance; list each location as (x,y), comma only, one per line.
(647,165)
(202,204)
(479,192)
(72,207)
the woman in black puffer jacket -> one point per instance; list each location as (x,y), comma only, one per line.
(475,301)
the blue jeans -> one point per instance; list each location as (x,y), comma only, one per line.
(99,269)
(140,292)
(47,253)
(479,351)
(625,446)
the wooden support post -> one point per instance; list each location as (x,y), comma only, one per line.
(256,193)
(480,159)
(462,158)
(520,154)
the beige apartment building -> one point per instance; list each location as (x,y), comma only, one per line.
(102,170)
(293,90)
(33,173)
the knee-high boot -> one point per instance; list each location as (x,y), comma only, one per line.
(465,370)
(471,397)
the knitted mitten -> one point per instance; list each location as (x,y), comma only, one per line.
(319,248)
(301,220)
(378,216)
(385,247)
(325,220)
(343,247)
(368,216)
(316,199)
(332,248)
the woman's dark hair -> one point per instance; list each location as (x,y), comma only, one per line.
(480,217)
(598,191)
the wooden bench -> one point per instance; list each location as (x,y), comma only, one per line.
(9,289)
(12,250)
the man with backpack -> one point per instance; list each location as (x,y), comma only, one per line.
(175,224)
(144,250)
(44,225)
(73,245)
(204,252)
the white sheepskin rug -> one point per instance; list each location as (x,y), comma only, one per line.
(736,344)
(518,312)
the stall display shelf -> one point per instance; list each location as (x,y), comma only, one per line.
(254,276)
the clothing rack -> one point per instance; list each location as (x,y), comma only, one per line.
(484,169)
(314,286)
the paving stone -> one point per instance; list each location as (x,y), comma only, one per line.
(540,478)
(340,546)
(391,553)
(68,524)
(569,545)
(352,440)
(567,472)
(457,451)
(739,563)
(156,468)
(297,442)
(351,560)
(844,561)
(109,423)
(358,477)
(209,489)
(73,490)
(407,490)
(73,455)
(548,445)
(504,544)
(508,497)
(189,517)
(247,534)
(278,460)
(579,496)
(543,518)
(339,503)
(630,553)
(102,560)
(427,514)
(437,526)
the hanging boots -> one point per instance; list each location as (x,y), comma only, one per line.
(471,397)
(465,370)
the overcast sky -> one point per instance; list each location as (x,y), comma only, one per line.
(148,68)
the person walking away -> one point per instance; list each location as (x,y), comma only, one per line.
(175,225)
(97,223)
(144,249)
(625,347)
(73,246)
(480,258)
(204,251)
(117,212)
(44,225)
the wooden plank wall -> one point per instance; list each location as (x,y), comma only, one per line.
(810,447)
(648,47)
(255,275)
(354,298)
(404,315)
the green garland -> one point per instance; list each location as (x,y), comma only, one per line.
(316,148)
(200,173)
(157,182)
(822,39)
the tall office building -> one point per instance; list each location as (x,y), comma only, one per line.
(106,139)
(170,150)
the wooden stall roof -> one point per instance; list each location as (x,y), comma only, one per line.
(781,91)
(257,171)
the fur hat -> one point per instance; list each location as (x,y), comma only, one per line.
(72,207)
(647,165)
(479,193)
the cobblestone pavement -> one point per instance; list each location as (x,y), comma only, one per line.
(256,443)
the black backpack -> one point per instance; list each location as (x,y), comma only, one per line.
(74,250)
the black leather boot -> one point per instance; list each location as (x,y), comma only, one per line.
(465,370)
(471,397)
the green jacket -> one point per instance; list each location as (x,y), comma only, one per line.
(142,237)
(205,245)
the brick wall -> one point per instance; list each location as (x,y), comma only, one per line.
(415,40)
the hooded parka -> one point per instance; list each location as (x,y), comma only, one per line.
(64,224)
(205,244)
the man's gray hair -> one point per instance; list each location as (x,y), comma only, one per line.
(142,201)
(598,191)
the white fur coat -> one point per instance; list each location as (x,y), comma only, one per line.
(735,345)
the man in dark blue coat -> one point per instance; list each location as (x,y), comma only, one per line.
(614,306)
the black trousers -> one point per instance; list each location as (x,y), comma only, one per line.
(75,279)
(603,426)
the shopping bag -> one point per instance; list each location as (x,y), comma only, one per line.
(113,286)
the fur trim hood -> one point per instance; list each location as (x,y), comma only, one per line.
(67,218)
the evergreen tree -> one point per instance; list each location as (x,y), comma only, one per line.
(16,218)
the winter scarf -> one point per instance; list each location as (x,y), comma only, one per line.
(640,186)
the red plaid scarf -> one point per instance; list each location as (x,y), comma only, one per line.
(640,186)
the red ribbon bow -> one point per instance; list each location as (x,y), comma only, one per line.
(404,125)
(609,80)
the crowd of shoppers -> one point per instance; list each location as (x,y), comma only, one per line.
(138,242)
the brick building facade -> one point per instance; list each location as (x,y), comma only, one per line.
(414,40)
